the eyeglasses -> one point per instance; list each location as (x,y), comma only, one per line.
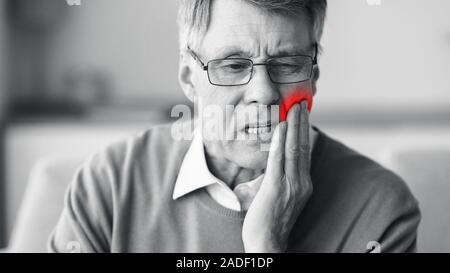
(239,71)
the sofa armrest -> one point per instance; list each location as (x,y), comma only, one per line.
(42,204)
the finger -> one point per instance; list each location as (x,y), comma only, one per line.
(304,159)
(292,150)
(275,161)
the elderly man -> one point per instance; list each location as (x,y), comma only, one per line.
(303,192)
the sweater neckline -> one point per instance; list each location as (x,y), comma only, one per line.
(206,200)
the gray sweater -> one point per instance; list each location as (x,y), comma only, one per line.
(120,200)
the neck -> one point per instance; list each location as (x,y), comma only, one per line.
(228,171)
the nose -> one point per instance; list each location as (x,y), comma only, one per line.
(260,89)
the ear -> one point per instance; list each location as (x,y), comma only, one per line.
(185,76)
(315,77)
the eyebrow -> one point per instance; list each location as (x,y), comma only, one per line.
(294,51)
(236,51)
(232,51)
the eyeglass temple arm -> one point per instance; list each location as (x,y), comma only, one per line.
(196,58)
(316,53)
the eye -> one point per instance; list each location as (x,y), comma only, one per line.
(289,65)
(233,66)
(236,66)
(286,68)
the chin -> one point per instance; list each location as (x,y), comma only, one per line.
(250,157)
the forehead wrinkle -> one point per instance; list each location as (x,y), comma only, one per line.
(257,34)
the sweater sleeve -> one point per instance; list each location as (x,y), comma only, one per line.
(85,224)
(384,215)
(394,215)
(400,234)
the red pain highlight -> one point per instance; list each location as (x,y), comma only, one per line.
(293,98)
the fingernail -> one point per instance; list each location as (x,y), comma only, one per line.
(300,109)
(304,105)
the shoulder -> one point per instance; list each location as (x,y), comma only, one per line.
(353,169)
(158,141)
(365,197)
(360,185)
(147,154)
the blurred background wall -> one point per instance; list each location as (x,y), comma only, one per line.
(78,77)
(393,57)
(101,52)
(386,58)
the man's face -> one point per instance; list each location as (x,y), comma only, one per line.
(239,29)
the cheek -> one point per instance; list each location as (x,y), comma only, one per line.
(217,106)
(293,96)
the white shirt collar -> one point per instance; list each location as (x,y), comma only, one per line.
(194,173)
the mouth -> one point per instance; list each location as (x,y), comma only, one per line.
(259,129)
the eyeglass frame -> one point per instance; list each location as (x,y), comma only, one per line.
(205,67)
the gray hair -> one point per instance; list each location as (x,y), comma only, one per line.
(194,16)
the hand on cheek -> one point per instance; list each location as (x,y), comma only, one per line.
(285,189)
(295,97)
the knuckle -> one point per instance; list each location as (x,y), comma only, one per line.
(304,148)
(293,152)
(307,189)
(302,189)
(295,191)
(278,157)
